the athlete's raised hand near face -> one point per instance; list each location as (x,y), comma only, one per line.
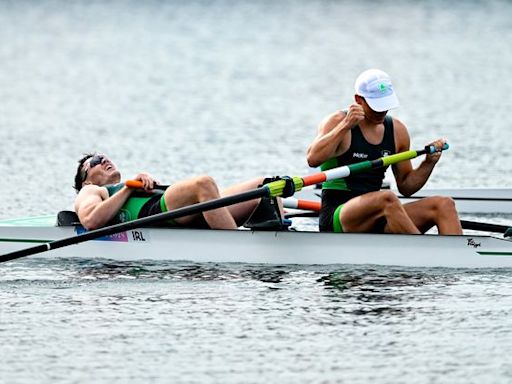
(355,115)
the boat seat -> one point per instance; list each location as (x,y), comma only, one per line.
(67,218)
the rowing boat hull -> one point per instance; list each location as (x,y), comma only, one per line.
(287,247)
(467,200)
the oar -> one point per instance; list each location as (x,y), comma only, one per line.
(314,207)
(272,189)
(487,227)
(306,205)
(136,184)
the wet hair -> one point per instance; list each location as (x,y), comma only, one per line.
(78,175)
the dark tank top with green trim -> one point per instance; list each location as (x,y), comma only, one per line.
(131,209)
(360,150)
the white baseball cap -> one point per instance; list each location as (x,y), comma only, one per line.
(376,88)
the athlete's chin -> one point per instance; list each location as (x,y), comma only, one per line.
(378,120)
(114,175)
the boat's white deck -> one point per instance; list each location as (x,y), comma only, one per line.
(35,221)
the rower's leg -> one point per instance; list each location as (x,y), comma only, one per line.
(363,213)
(198,190)
(437,211)
(242,211)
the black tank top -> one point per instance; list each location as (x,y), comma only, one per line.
(361,150)
(339,191)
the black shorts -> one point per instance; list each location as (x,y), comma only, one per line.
(151,207)
(154,206)
(331,200)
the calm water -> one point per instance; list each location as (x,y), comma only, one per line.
(236,89)
(101,322)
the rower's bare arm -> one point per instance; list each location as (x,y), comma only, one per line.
(95,208)
(331,139)
(410,180)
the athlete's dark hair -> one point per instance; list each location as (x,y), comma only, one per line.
(79,175)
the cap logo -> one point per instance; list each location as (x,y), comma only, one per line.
(382,87)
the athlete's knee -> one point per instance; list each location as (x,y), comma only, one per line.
(437,207)
(205,185)
(389,201)
(388,197)
(258,180)
(444,204)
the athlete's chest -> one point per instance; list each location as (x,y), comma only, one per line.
(368,144)
(372,136)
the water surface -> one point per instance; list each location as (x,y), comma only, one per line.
(236,89)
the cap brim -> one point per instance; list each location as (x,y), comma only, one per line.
(382,104)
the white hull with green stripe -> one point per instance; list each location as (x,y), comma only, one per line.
(287,247)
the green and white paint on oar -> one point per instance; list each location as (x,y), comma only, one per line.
(276,187)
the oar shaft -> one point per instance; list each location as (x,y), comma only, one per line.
(364,166)
(140,223)
(307,205)
(276,187)
(486,227)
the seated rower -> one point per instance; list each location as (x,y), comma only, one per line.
(365,132)
(103,199)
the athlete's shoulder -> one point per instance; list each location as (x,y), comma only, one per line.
(331,120)
(398,123)
(92,189)
(401,134)
(336,116)
(399,126)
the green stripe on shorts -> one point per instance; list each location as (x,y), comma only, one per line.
(336,223)
(163,208)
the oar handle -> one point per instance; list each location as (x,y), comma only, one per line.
(430,149)
(137,184)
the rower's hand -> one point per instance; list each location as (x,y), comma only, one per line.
(355,115)
(147,180)
(434,157)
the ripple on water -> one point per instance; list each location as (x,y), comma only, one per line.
(332,319)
